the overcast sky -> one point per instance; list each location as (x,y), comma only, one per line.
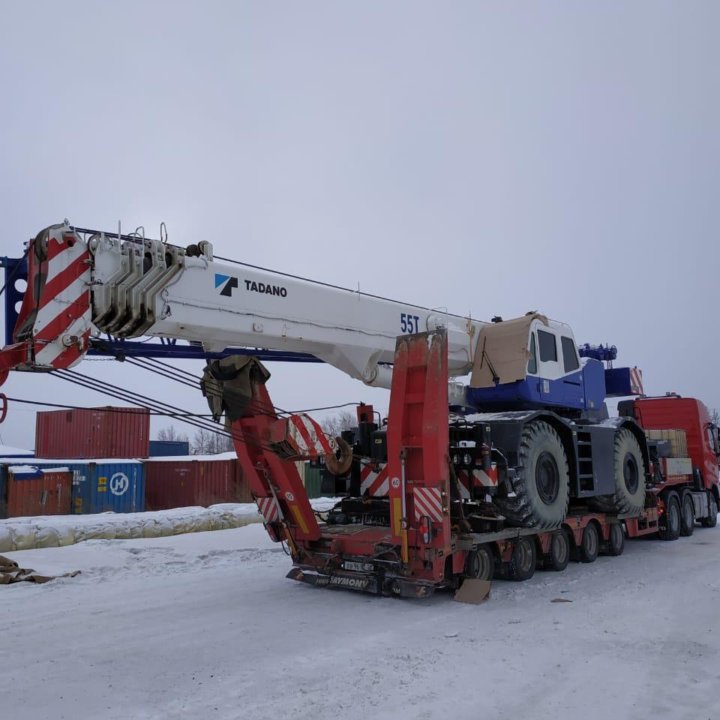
(488,157)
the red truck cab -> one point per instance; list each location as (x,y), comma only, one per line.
(690,415)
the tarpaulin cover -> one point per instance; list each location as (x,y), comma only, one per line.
(10,573)
(501,355)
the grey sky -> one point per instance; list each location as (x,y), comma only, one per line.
(483,156)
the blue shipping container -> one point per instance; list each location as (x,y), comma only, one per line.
(169,448)
(104,485)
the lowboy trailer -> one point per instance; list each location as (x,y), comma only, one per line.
(435,539)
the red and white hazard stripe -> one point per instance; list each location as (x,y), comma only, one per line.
(308,438)
(428,501)
(636,383)
(269,509)
(373,479)
(475,478)
(62,327)
(465,485)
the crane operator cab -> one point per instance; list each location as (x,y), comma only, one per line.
(532,362)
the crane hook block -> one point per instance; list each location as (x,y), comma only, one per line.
(339,465)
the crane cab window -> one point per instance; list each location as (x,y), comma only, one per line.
(570,358)
(548,346)
(532,362)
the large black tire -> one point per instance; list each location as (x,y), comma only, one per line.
(616,540)
(590,545)
(687,515)
(522,564)
(669,528)
(480,564)
(711,521)
(629,473)
(541,485)
(559,555)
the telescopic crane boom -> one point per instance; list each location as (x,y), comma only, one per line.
(88,282)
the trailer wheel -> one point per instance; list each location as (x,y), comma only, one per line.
(541,485)
(687,515)
(711,520)
(616,540)
(669,527)
(629,472)
(559,554)
(480,564)
(522,564)
(590,545)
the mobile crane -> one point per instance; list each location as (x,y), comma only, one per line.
(528,464)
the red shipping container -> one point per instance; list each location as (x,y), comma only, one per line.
(33,491)
(93,433)
(202,481)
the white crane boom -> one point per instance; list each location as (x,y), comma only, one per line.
(135,287)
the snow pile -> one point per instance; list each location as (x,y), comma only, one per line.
(22,469)
(59,530)
(217,457)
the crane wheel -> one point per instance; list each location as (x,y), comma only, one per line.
(541,485)
(711,520)
(522,563)
(687,515)
(339,463)
(629,474)
(669,528)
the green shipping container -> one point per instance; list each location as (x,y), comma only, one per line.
(313,481)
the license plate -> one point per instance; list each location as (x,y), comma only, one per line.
(358,566)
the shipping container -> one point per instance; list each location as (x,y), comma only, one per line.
(196,480)
(93,433)
(27,490)
(313,477)
(168,448)
(103,484)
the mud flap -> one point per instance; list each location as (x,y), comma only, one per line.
(473,591)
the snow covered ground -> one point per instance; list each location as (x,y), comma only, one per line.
(26,533)
(205,625)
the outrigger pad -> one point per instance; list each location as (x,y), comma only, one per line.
(473,591)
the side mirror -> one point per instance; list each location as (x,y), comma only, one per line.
(714,434)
